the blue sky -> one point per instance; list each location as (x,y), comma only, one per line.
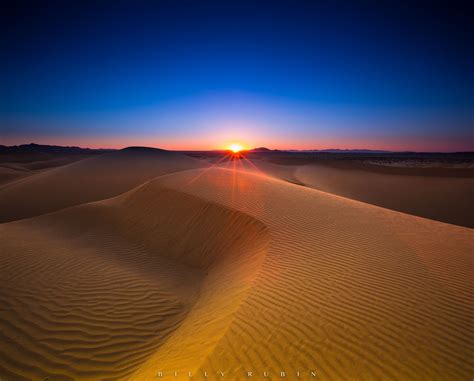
(197,75)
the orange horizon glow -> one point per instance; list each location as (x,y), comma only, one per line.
(416,144)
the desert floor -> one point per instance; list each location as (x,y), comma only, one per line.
(140,261)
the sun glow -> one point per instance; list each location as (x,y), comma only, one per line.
(235,148)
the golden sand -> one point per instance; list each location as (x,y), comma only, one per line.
(441,198)
(219,270)
(87,180)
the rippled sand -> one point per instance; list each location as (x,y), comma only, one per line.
(225,270)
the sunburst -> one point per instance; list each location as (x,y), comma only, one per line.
(236,148)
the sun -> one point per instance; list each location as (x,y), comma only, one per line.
(235,148)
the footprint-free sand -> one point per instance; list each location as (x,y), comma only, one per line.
(187,269)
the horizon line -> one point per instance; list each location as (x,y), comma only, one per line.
(362,150)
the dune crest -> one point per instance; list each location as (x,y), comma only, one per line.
(348,289)
(100,287)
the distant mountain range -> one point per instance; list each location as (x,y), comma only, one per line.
(330,150)
(261,149)
(337,150)
(44,149)
(48,149)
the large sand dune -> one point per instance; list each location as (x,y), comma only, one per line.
(222,270)
(87,180)
(98,288)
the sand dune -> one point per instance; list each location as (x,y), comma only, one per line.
(356,291)
(282,172)
(8,175)
(44,164)
(97,288)
(221,270)
(441,198)
(87,180)
(16,170)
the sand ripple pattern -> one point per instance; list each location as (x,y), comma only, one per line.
(354,291)
(222,270)
(89,293)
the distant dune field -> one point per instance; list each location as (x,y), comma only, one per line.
(209,270)
(438,197)
(13,171)
(8,175)
(87,180)
(442,194)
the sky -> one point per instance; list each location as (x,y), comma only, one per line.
(199,75)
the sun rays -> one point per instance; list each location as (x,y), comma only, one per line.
(235,159)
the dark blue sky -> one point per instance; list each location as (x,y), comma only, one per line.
(196,74)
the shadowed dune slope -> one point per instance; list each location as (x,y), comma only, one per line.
(87,180)
(446,199)
(348,289)
(13,171)
(90,292)
(8,175)
(44,164)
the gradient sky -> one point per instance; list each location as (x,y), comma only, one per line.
(200,75)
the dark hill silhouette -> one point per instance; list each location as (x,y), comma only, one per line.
(49,149)
(261,149)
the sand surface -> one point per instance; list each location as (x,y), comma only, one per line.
(11,171)
(441,198)
(225,270)
(87,180)
(8,175)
